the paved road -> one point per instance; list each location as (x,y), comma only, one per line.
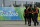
(15,24)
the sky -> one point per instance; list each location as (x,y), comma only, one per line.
(8,2)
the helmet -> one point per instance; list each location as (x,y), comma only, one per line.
(30,5)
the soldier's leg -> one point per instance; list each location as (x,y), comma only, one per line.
(25,21)
(37,20)
(29,22)
(34,20)
(28,19)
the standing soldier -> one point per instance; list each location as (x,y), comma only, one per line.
(26,14)
(30,11)
(36,11)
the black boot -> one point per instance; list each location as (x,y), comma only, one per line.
(29,24)
(37,23)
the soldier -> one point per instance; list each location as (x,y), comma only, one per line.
(26,14)
(36,11)
(30,11)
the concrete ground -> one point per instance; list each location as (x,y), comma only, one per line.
(15,24)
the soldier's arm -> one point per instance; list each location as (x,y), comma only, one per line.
(38,10)
(35,12)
